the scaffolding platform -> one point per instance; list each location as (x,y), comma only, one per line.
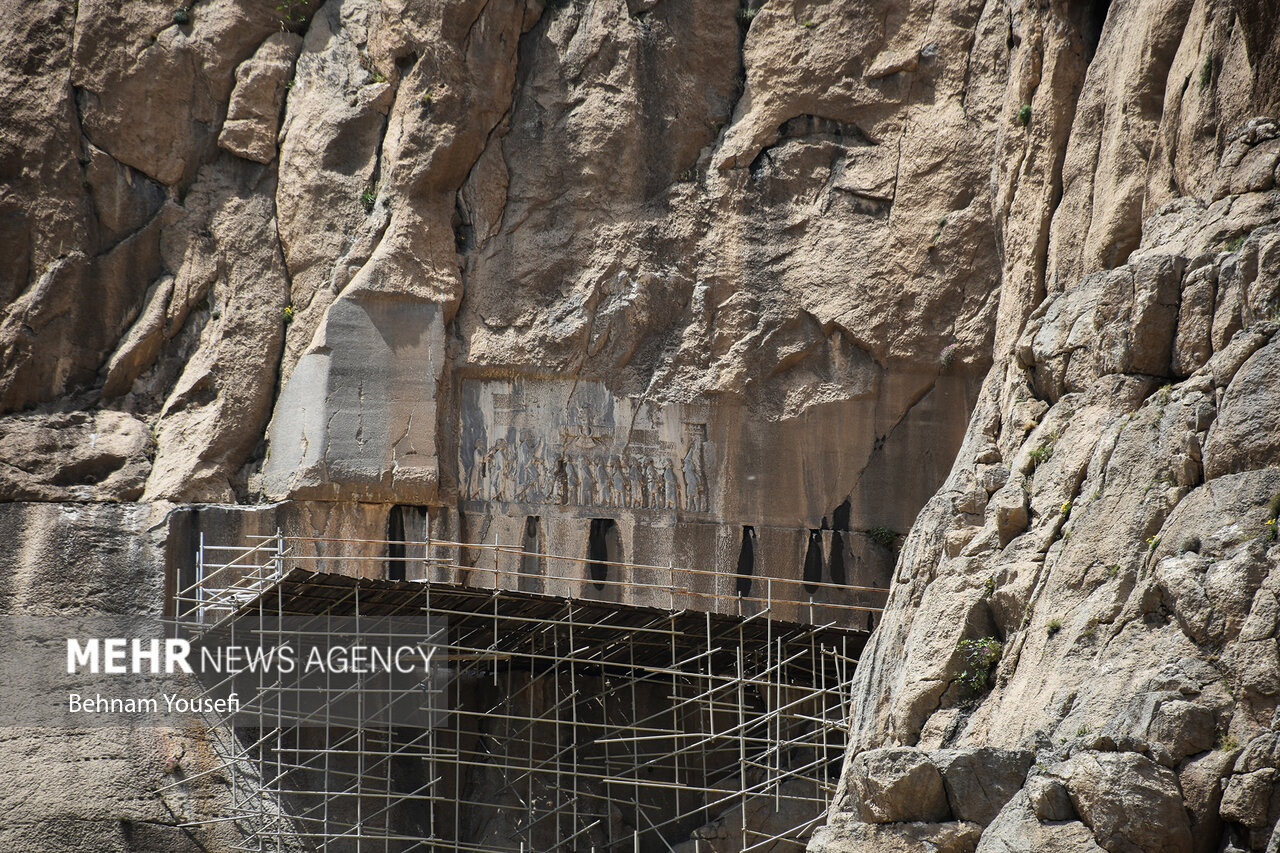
(536,721)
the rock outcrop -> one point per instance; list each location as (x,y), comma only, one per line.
(1111,611)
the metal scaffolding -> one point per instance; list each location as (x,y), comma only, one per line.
(566,717)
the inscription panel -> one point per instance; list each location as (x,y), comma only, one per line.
(574,444)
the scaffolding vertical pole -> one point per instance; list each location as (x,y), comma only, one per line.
(573,714)
(555,744)
(200,581)
(742,742)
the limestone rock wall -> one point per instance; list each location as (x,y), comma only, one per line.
(110,785)
(1080,651)
(686,202)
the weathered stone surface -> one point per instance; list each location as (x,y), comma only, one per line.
(802,216)
(952,837)
(1021,828)
(103,455)
(1129,802)
(1201,781)
(335,409)
(253,114)
(210,420)
(78,307)
(1121,321)
(894,785)
(1246,434)
(1133,600)
(160,111)
(329,146)
(123,198)
(980,781)
(1049,800)
(1247,798)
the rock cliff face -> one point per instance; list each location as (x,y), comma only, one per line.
(703,266)
(1080,649)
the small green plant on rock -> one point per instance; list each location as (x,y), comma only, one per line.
(1273,513)
(288,314)
(1043,453)
(182,15)
(1153,542)
(378,76)
(368,197)
(1055,625)
(882,535)
(292,11)
(1206,72)
(948,355)
(989,588)
(1227,743)
(979,657)
(1066,510)
(1024,115)
(1235,244)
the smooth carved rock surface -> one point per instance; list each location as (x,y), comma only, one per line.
(359,411)
(73,565)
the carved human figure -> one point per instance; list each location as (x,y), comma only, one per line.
(652,487)
(600,471)
(694,488)
(535,487)
(670,485)
(635,475)
(526,452)
(621,488)
(508,476)
(590,487)
(475,477)
(571,482)
(495,466)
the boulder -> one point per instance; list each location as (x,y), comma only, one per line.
(1132,804)
(896,784)
(980,780)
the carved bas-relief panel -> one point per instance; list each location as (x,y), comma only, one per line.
(681,482)
(574,445)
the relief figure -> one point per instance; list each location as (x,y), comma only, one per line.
(621,488)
